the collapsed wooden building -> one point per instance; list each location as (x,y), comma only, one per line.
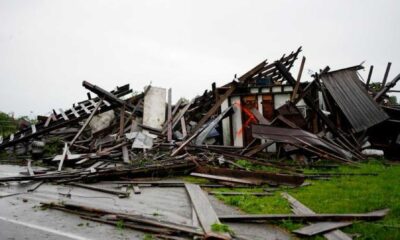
(264,116)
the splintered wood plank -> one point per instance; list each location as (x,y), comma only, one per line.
(259,148)
(49,118)
(320,227)
(184,144)
(35,186)
(82,161)
(180,114)
(324,217)
(169,120)
(183,127)
(125,154)
(260,118)
(93,103)
(33,127)
(296,87)
(136,189)
(299,208)
(204,210)
(177,105)
(94,166)
(241,193)
(195,219)
(54,116)
(63,114)
(30,170)
(11,137)
(75,112)
(121,121)
(120,194)
(86,122)
(215,107)
(84,108)
(64,156)
(226,179)
(107,103)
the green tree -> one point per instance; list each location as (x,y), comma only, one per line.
(393,100)
(8,124)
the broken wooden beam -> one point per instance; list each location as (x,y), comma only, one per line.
(299,208)
(29,167)
(376,215)
(120,194)
(297,85)
(205,212)
(386,75)
(226,179)
(215,107)
(86,122)
(105,94)
(150,221)
(136,189)
(135,226)
(257,177)
(241,193)
(371,69)
(321,227)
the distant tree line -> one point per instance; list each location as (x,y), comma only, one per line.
(9,124)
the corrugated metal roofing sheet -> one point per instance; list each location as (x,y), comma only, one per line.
(359,108)
(296,137)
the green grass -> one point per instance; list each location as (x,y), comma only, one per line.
(195,180)
(221,228)
(347,194)
(120,225)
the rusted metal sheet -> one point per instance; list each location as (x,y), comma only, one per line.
(347,90)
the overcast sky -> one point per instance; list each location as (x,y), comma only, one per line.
(47,48)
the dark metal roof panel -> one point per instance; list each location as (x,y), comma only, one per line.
(295,137)
(359,108)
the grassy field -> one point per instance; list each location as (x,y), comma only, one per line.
(347,194)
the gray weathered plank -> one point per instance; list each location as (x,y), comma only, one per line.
(227,179)
(299,208)
(107,103)
(125,154)
(136,189)
(33,127)
(30,170)
(93,103)
(64,115)
(75,112)
(64,156)
(49,118)
(84,108)
(320,227)
(323,217)
(86,122)
(241,193)
(204,210)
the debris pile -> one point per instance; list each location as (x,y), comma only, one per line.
(264,114)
